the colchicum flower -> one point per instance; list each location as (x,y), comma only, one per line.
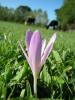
(37,53)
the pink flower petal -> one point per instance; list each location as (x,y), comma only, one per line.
(48,49)
(53,38)
(28,38)
(24,53)
(35,52)
(43,46)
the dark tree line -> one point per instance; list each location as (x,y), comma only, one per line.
(18,15)
(66,15)
(21,13)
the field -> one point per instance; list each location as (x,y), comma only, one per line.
(56,79)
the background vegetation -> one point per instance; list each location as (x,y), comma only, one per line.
(66,15)
(22,13)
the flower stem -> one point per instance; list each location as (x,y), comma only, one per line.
(35,86)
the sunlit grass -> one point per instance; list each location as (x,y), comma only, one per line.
(57,74)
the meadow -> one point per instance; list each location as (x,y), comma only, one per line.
(57,77)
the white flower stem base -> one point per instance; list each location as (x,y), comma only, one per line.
(35,86)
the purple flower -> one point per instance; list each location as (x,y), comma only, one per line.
(37,52)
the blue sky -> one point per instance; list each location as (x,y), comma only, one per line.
(47,5)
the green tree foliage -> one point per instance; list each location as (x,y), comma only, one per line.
(41,16)
(66,15)
(6,14)
(21,13)
(18,15)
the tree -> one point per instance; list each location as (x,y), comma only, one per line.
(66,14)
(6,14)
(21,13)
(41,17)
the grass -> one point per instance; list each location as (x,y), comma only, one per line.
(18,32)
(57,75)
